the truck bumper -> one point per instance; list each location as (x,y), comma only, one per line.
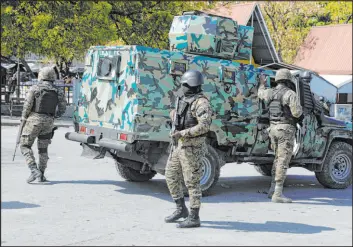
(104,142)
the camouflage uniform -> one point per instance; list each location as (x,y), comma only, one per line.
(325,106)
(186,158)
(282,134)
(194,114)
(39,125)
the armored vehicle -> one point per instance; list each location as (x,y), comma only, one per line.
(127,93)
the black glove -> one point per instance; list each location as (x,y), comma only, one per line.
(52,132)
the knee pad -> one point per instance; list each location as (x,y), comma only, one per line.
(43,150)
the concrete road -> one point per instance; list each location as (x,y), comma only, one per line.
(87,203)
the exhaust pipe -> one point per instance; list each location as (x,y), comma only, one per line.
(73,136)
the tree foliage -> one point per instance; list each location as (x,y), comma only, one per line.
(337,12)
(64,30)
(61,30)
(147,23)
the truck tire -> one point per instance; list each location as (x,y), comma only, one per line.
(129,174)
(211,166)
(337,167)
(264,169)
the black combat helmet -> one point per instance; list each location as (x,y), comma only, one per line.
(193,78)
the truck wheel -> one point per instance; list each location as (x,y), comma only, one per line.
(264,170)
(337,168)
(130,174)
(211,164)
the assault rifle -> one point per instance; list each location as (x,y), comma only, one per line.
(174,122)
(22,124)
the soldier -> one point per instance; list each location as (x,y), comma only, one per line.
(194,120)
(325,105)
(39,112)
(285,111)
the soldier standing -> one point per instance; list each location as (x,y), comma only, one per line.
(194,120)
(325,105)
(39,112)
(285,111)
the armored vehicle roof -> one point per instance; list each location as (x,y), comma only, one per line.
(206,34)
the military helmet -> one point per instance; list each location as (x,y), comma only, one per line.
(284,75)
(49,73)
(193,78)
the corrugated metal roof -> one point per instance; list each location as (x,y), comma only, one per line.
(239,12)
(327,50)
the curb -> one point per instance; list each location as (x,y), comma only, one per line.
(5,122)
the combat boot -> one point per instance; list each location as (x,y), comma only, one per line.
(271,190)
(193,220)
(181,211)
(42,178)
(35,173)
(278,197)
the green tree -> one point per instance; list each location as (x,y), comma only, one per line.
(64,30)
(147,23)
(61,30)
(338,12)
(15,23)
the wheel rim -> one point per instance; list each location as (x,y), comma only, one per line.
(206,171)
(340,167)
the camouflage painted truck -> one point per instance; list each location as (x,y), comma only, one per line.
(127,93)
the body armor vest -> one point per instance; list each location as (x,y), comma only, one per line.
(46,101)
(185,119)
(280,113)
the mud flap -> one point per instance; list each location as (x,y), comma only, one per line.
(297,140)
(161,163)
(89,151)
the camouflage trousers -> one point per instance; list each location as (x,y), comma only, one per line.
(41,128)
(185,164)
(282,142)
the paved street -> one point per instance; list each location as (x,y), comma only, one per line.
(88,203)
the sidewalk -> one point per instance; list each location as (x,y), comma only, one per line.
(14,121)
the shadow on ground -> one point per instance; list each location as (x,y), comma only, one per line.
(17,205)
(302,189)
(269,226)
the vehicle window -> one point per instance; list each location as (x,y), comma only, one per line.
(108,67)
(323,88)
(178,67)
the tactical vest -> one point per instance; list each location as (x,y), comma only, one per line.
(280,113)
(46,101)
(185,119)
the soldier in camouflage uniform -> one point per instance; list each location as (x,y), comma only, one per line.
(325,105)
(285,111)
(194,120)
(39,112)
